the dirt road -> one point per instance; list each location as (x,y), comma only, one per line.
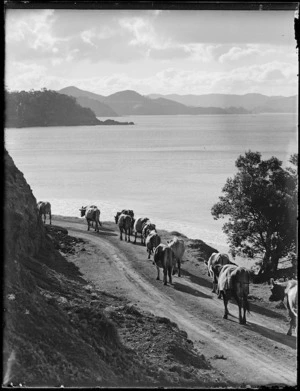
(259,353)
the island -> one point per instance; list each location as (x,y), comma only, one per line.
(48,108)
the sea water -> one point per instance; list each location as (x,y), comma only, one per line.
(170,169)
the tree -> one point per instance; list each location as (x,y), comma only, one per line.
(261,205)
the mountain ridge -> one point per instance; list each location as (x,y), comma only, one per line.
(130,102)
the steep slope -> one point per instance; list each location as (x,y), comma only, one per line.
(90,100)
(40,341)
(77,92)
(59,330)
(99,108)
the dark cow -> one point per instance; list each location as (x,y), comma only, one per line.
(287,290)
(138,227)
(152,241)
(124,223)
(92,214)
(164,258)
(44,208)
(147,228)
(234,282)
(178,247)
(213,271)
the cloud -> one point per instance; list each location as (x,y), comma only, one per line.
(236,53)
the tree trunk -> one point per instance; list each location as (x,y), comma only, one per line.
(269,267)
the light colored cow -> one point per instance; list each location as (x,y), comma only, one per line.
(178,247)
(92,214)
(138,227)
(234,282)
(287,290)
(152,241)
(124,223)
(147,228)
(213,271)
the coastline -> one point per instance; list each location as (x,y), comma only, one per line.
(246,262)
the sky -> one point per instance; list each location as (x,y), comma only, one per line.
(152,51)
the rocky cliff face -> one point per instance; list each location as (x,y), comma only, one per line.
(24,231)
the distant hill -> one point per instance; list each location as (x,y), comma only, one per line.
(77,92)
(257,103)
(130,102)
(48,108)
(99,108)
(45,108)
(90,100)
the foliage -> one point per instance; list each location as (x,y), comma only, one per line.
(261,205)
(45,108)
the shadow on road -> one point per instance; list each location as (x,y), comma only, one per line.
(273,335)
(265,311)
(253,307)
(191,291)
(196,279)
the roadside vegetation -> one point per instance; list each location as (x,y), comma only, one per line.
(260,204)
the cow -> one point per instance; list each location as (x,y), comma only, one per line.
(124,223)
(92,214)
(44,208)
(152,241)
(288,290)
(126,212)
(138,227)
(213,271)
(178,247)
(164,258)
(147,228)
(234,282)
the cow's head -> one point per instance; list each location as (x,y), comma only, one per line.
(117,217)
(277,291)
(82,210)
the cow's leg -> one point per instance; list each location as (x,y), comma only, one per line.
(214,283)
(170,275)
(45,218)
(157,273)
(218,291)
(165,275)
(121,234)
(50,217)
(88,222)
(225,299)
(239,303)
(293,318)
(148,253)
(128,235)
(245,306)
(134,238)
(178,265)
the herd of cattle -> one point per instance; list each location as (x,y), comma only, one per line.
(229,280)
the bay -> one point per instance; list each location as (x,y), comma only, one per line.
(168,168)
